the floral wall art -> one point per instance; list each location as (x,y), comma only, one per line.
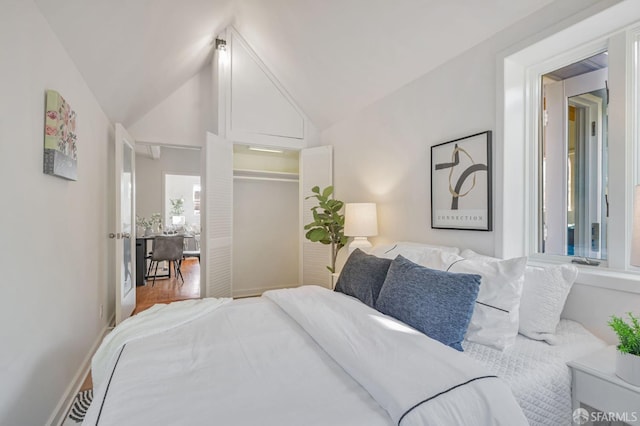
(60,138)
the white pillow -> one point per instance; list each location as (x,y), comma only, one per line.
(470,254)
(543,296)
(495,318)
(434,257)
(399,246)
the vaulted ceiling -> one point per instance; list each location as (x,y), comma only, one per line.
(334,57)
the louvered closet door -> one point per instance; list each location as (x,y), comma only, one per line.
(219,211)
(316,169)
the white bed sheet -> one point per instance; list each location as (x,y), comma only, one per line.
(537,372)
(248,362)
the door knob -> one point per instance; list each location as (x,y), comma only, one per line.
(126,235)
(112,235)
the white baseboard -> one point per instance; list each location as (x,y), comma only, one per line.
(72,390)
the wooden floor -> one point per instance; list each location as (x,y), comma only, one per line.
(170,290)
(165,291)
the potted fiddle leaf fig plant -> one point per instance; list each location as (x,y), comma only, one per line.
(628,354)
(328,223)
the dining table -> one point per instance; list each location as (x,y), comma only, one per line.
(143,254)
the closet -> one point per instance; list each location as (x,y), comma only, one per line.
(260,169)
(256,211)
(265,220)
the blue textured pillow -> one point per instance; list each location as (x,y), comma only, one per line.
(437,303)
(363,276)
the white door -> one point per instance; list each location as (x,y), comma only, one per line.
(124,235)
(316,169)
(218,227)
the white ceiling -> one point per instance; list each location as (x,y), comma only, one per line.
(335,57)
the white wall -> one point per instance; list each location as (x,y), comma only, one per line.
(382,154)
(149,176)
(183,118)
(265,236)
(55,246)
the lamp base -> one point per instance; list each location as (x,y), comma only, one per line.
(360,242)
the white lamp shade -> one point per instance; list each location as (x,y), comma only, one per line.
(635,237)
(361,220)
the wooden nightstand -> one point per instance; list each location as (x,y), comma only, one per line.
(594,383)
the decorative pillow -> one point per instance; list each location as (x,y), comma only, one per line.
(362,276)
(543,296)
(495,317)
(437,303)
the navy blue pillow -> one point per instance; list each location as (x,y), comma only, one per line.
(437,303)
(362,276)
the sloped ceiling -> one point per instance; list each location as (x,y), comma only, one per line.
(334,56)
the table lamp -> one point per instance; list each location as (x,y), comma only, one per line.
(360,222)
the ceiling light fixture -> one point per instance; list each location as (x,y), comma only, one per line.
(275,151)
(221,44)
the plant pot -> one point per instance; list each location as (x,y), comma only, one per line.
(628,367)
(148,232)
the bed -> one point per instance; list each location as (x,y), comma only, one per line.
(537,372)
(314,356)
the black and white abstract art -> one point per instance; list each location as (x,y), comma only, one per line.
(461,183)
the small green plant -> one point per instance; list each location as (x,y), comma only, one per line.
(177,206)
(143,222)
(328,223)
(628,333)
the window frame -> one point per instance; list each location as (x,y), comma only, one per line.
(534,101)
(617,30)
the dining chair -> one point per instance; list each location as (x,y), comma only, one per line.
(196,251)
(170,249)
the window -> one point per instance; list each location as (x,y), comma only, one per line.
(607,176)
(196,199)
(573,166)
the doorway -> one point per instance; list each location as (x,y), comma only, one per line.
(168,188)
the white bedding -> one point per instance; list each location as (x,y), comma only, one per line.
(304,356)
(537,372)
(160,317)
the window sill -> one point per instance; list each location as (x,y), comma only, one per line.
(595,276)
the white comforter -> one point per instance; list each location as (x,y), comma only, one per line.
(160,317)
(305,356)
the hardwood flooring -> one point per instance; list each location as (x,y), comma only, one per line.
(170,290)
(164,291)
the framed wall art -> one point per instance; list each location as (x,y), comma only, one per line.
(60,138)
(461,183)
